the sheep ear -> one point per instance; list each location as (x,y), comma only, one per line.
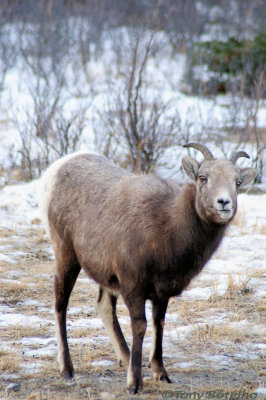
(247,175)
(191,167)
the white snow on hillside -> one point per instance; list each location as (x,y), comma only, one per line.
(197,114)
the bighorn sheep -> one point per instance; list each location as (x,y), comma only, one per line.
(136,235)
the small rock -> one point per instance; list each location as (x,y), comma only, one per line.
(35,221)
(13,387)
(52,341)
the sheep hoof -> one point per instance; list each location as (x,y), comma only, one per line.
(161,375)
(165,378)
(133,390)
(67,375)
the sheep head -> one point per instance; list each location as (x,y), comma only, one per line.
(217,183)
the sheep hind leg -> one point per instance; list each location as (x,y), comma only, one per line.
(65,278)
(107,310)
(156,354)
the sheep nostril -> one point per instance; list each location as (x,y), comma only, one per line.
(223,202)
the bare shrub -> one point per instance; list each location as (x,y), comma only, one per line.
(8,50)
(47,130)
(61,138)
(136,124)
(67,133)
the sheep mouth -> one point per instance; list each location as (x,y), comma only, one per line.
(224,210)
(224,214)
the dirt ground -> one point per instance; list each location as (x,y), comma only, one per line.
(203,359)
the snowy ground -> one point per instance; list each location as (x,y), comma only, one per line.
(214,335)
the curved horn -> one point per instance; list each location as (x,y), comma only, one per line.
(203,149)
(237,154)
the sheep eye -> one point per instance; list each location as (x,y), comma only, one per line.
(238,183)
(202,178)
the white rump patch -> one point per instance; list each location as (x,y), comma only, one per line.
(47,183)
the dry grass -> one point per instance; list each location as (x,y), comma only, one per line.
(16,291)
(238,285)
(40,235)
(191,311)
(80,332)
(83,356)
(19,331)
(222,333)
(5,233)
(9,362)
(262,230)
